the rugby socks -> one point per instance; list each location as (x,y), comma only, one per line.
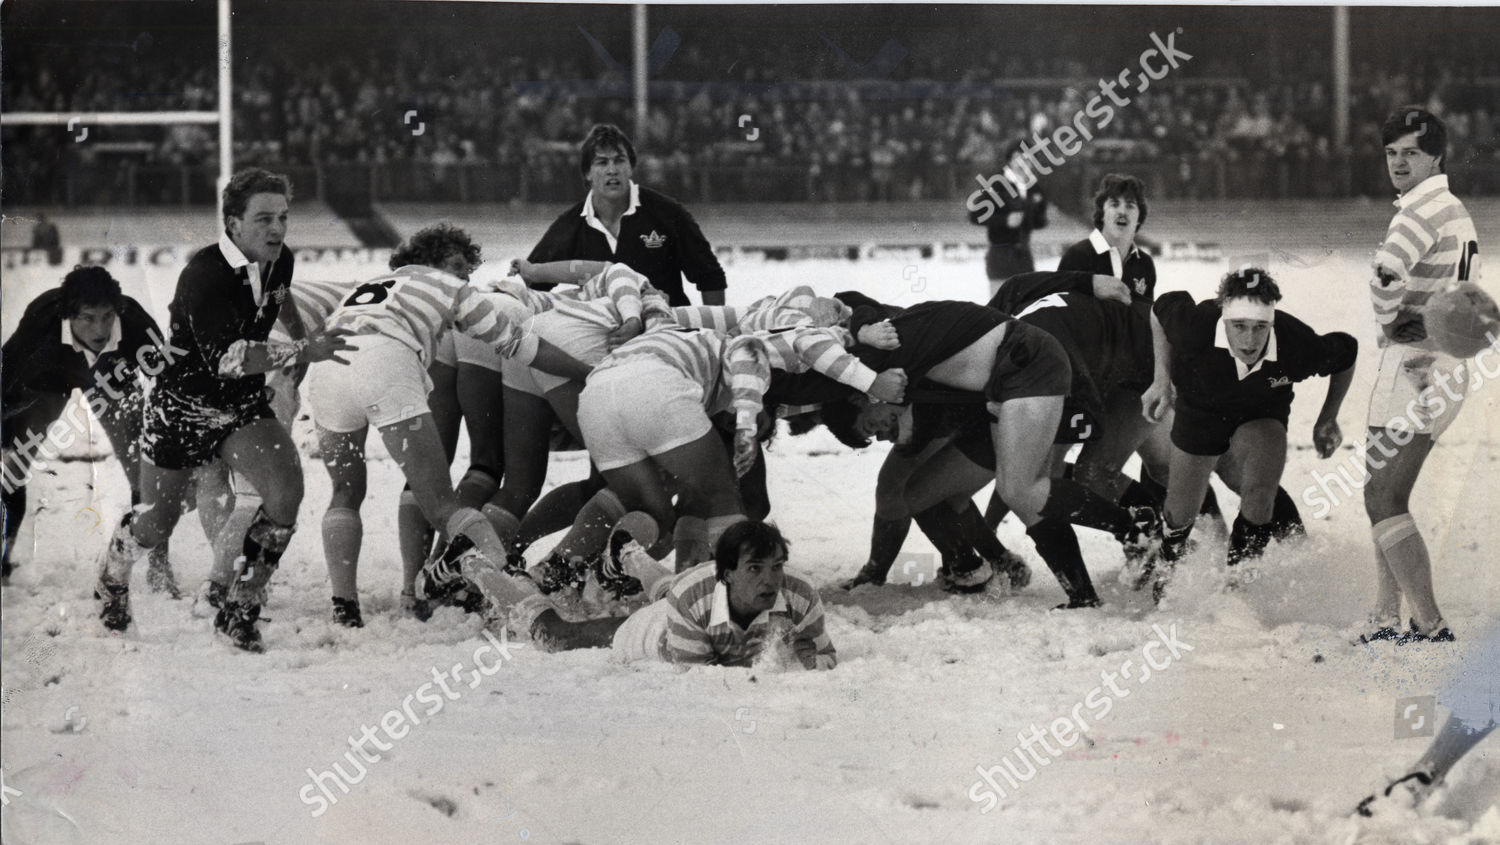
(996,512)
(1286,520)
(1248,541)
(343,533)
(590,532)
(1174,541)
(505,523)
(476,487)
(413,536)
(467,522)
(265,541)
(1057,544)
(1406,554)
(1071,501)
(1138,495)
(979,535)
(887,536)
(556,511)
(944,526)
(121,554)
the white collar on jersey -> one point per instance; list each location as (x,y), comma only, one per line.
(1101,246)
(1221,340)
(720,613)
(238,260)
(90,355)
(593,219)
(1430,185)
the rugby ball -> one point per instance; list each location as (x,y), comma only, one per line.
(1462,321)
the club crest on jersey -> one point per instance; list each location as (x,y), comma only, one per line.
(1281,381)
(654,240)
(1140,286)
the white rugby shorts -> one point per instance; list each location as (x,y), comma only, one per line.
(384,383)
(638,409)
(1414,390)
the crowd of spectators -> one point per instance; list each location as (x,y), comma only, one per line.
(915,129)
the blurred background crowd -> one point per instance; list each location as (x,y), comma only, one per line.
(847,103)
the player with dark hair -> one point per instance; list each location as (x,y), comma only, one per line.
(621,221)
(83,335)
(1226,368)
(397,320)
(210,401)
(1111,249)
(1430,245)
(1009,224)
(725,612)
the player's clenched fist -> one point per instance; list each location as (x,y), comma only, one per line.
(881,335)
(889,386)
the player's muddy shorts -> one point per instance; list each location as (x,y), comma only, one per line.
(1029,362)
(643,636)
(384,383)
(637,409)
(186,432)
(586,341)
(1206,433)
(1410,387)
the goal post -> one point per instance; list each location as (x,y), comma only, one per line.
(224,116)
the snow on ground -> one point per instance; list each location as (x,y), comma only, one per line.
(1269,729)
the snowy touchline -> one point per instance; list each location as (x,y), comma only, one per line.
(392,723)
(1062,726)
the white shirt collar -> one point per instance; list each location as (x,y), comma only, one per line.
(593,220)
(1116,260)
(1221,340)
(720,613)
(88,354)
(237,260)
(1430,185)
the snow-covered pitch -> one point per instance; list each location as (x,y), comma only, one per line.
(1269,729)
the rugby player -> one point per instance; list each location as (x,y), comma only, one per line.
(397,319)
(1226,366)
(1430,245)
(210,401)
(725,612)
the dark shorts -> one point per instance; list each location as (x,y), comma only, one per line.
(184,433)
(1030,362)
(1205,433)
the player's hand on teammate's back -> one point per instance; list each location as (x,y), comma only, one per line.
(1408,327)
(520,267)
(1327,437)
(1110,287)
(627,330)
(881,335)
(889,386)
(744,452)
(326,346)
(1157,400)
(1015,219)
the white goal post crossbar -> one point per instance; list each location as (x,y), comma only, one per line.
(223,116)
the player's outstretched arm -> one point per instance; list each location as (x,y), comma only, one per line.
(1326,434)
(1158,398)
(557,272)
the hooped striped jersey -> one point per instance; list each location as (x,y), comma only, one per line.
(629,291)
(800,329)
(735,372)
(700,629)
(416,304)
(1430,245)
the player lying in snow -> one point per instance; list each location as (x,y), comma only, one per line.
(1226,368)
(725,612)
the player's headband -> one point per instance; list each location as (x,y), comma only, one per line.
(1245,308)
